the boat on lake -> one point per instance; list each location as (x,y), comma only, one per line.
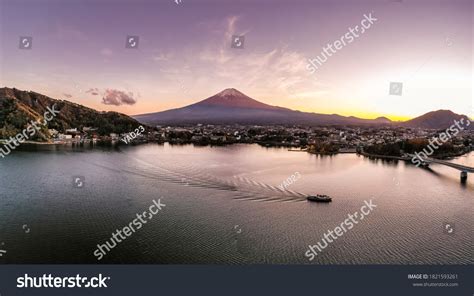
(319,198)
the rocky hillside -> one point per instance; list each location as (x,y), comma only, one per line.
(18,108)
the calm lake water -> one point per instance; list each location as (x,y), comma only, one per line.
(221,208)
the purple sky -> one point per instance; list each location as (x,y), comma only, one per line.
(185,55)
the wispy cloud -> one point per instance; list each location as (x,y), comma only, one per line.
(275,70)
(162,57)
(222,53)
(93,91)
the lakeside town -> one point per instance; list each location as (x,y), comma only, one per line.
(319,140)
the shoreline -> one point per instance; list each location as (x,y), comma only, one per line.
(409,159)
(265,145)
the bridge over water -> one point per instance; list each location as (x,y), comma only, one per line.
(464,169)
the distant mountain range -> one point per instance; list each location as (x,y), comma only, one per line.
(18,108)
(230,106)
